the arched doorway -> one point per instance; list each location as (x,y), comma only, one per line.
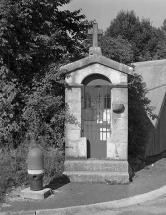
(96,114)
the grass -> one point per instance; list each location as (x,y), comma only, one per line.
(13,166)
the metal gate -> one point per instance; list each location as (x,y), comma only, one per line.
(96,119)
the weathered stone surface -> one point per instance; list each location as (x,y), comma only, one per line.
(96,58)
(74,107)
(98,177)
(95,32)
(73,94)
(124,78)
(122,151)
(112,150)
(77,77)
(96,165)
(119,136)
(120,95)
(41,194)
(95,50)
(72,135)
(118,124)
(69,126)
(71,149)
(76,149)
(82,148)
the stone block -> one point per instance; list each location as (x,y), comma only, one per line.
(120,95)
(111,150)
(72,135)
(123,78)
(118,124)
(69,126)
(73,94)
(74,107)
(71,149)
(96,165)
(40,195)
(76,149)
(98,177)
(119,136)
(122,151)
(82,148)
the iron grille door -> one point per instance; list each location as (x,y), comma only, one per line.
(96,119)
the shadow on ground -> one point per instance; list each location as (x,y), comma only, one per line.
(135,165)
(139,164)
(58,182)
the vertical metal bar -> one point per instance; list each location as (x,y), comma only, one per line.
(102,112)
(106,109)
(82,111)
(98,115)
(91,112)
(96,127)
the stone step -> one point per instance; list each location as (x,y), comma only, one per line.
(96,165)
(98,177)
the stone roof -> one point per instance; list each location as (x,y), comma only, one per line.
(154,75)
(97,58)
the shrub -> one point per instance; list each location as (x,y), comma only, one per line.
(14,166)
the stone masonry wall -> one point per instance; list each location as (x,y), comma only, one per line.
(117,144)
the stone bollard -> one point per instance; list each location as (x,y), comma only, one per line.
(36,174)
(36,169)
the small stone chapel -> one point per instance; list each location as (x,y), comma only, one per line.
(96,149)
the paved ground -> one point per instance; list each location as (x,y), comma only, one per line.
(152,177)
(157,207)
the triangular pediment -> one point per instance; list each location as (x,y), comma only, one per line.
(96,58)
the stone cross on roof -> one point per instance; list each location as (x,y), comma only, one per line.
(95,32)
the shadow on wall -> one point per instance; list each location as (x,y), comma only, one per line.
(156,146)
(157,143)
(88,149)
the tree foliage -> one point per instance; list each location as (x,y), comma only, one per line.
(143,37)
(117,49)
(36,39)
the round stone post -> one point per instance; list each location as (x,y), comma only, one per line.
(36,169)
(36,174)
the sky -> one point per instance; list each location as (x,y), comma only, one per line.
(103,11)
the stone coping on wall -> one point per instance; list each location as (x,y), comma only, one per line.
(96,58)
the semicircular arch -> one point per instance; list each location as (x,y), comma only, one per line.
(96,79)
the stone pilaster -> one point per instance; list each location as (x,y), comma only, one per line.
(75,145)
(117,144)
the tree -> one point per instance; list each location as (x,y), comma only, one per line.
(117,49)
(143,37)
(163,27)
(36,39)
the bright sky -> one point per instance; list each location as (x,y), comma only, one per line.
(103,11)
